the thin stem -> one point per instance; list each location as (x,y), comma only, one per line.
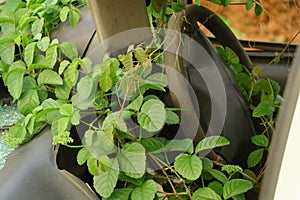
(168,178)
(283,50)
(74,146)
(262,171)
(90,124)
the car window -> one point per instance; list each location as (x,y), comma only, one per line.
(278,22)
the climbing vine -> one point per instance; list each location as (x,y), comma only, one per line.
(53,86)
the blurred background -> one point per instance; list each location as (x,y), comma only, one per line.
(279,21)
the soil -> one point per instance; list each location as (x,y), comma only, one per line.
(279,22)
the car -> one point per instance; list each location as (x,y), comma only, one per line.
(38,170)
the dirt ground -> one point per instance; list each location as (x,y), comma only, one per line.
(279,22)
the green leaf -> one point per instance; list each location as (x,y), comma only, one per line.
(134,181)
(63,15)
(51,56)
(28,101)
(144,70)
(144,192)
(25,20)
(171,117)
(258,9)
(107,180)
(71,73)
(205,193)
(217,187)
(86,89)
(106,81)
(178,7)
(14,81)
(235,187)
(114,66)
(63,91)
(147,85)
(132,160)
(29,83)
(99,143)
(261,84)
(37,26)
(66,110)
(260,140)
(85,96)
(38,66)
(239,197)
(30,123)
(157,5)
(225,3)
(136,104)
(29,53)
(49,77)
(60,125)
(140,54)
(62,66)
(49,3)
(86,65)
(249,4)
(8,53)
(159,78)
(120,194)
(236,67)
(232,57)
(255,157)
(5,18)
(74,17)
(218,175)
(257,71)
(189,166)
(93,166)
(69,50)
(75,120)
(153,144)
(152,116)
(43,44)
(127,61)
(275,88)
(207,164)
(82,156)
(211,142)
(277,58)
(4,42)
(177,145)
(198,2)
(18,132)
(263,109)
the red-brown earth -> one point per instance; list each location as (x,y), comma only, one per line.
(279,21)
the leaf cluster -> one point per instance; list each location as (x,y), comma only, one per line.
(160,11)
(29,62)
(254,88)
(249,4)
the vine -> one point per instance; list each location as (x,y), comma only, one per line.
(122,94)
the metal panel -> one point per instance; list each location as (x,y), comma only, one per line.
(113,17)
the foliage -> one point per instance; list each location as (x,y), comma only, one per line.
(249,4)
(27,65)
(254,87)
(160,10)
(52,85)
